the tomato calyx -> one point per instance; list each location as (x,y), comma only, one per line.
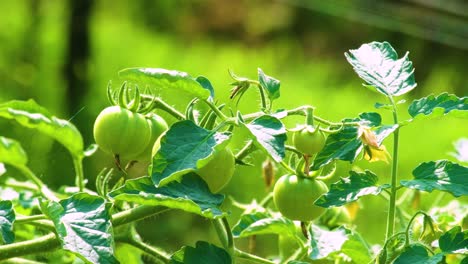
(124,99)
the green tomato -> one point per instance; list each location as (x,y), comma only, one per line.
(295,196)
(308,140)
(119,131)
(158,126)
(219,170)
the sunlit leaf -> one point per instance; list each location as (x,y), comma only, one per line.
(270,134)
(83,226)
(29,114)
(271,85)
(357,249)
(12,153)
(7,217)
(259,223)
(184,148)
(205,83)
(166,79)
(442,175)
(191,195)
(202,253)
(351,189)
(345,145)
(323,242)
(417,254)
(378,65)
(454,241)
(436,106)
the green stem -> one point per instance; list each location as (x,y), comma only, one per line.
(262,97)
(407,242)
(286,166)
(148,249)
(160,104)
(309,116)
(301,111)
(266,200)
(393,191)
(50,242)
(230,238)
(37,245)
(25,219)
(42,188)
(246,150)
(215,110)
(20,261)
(136,214)
(253,258)
(218,226)
(79,180)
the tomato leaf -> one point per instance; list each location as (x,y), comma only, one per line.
(377,63)
(417,254)
(454,241)
(323,243)
(31,115)
(357,249)
(7,217)
(351,189)
(263,222)
(83,226)
(441,105)
(270,84)
(442,175)
(191,195)
(12,153)
(206,84)
(184,148)
(203,252)
(166,79)
(270,135)
(345,145)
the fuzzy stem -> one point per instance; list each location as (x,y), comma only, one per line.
(393,191)
(253,258)
(148,249)
(159,103)
(50,242)
(79,180)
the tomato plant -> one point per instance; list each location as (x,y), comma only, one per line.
(184,162)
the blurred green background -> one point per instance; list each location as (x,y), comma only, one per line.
(63,53)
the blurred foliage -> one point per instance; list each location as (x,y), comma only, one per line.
(299,46)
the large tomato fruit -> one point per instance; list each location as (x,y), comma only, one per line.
(219,170)
(119,131)
(308,140)
(294,197)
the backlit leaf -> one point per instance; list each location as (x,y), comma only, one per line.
(442,175)
(378,65)
(191,195)
(166,79)
(83,226)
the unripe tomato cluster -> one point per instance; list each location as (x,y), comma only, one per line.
(294,195)
(126,134)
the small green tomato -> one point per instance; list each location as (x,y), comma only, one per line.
(119,131)
(294,197)
(308,140)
